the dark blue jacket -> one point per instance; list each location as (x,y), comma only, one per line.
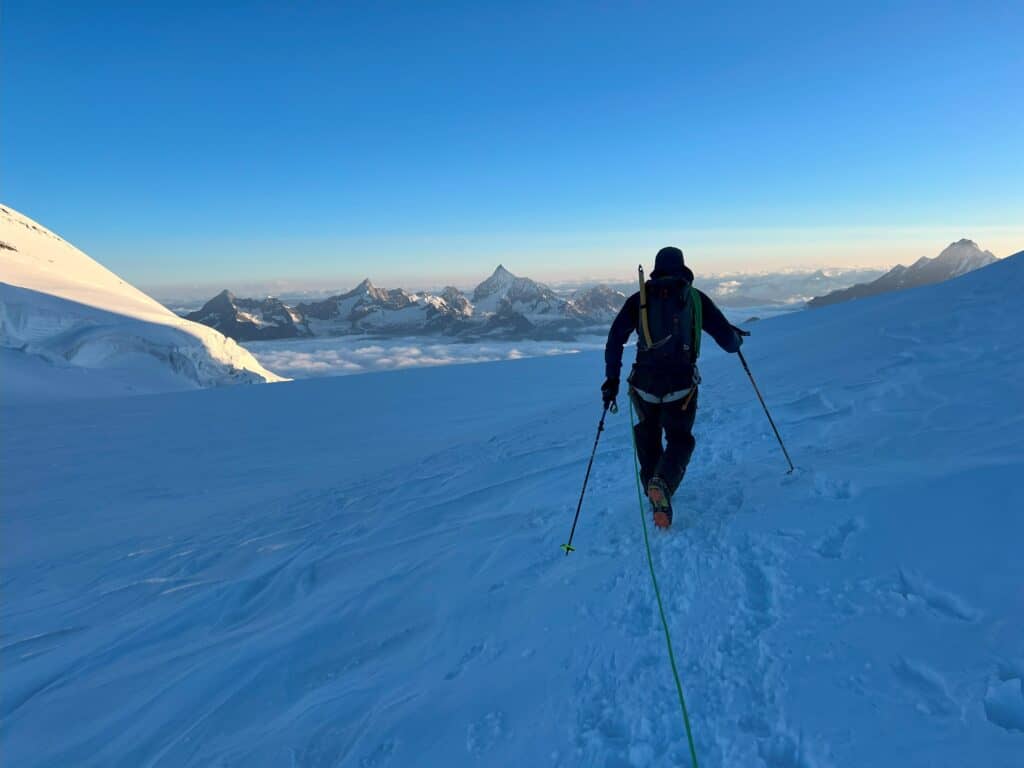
(628,320)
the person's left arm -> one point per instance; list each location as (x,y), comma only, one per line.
(721,330)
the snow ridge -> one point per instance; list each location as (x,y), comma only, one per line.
(59,306)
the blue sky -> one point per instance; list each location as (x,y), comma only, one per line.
(424,142)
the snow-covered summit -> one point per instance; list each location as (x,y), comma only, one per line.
(599,302)
(61,310)
(364,299)
(367,308)
(371,292)
(500,281)
(504,292)
(962,257)
(457,301)
(955,260)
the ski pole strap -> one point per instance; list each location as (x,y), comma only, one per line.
(657,594)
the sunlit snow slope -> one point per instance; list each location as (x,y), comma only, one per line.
(366,571)
(69,327)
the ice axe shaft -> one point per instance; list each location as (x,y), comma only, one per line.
(766,412)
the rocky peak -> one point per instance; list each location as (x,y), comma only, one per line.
(457,300)
(598,301)
(366,290)
(223,303)
(500,280)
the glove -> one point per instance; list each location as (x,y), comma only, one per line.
(609,391)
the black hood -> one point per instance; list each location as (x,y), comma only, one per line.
(669,263)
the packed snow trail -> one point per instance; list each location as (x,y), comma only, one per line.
(366,571)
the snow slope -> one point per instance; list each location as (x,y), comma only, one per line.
(61,310)
(365,571)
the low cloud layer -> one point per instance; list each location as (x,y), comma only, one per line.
(344,356)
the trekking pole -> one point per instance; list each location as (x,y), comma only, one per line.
(766,413)
(609,406)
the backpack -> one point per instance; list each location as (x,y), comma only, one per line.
(669,330)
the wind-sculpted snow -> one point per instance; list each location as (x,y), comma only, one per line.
(61,311)
(365,571)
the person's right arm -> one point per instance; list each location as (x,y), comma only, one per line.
(623,326)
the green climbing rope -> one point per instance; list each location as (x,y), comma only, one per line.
(657,593)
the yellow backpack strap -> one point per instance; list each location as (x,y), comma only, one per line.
(644,326)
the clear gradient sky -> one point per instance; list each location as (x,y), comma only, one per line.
(231,142)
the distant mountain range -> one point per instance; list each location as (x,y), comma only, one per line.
(957,259)
(508,307)
(502,306)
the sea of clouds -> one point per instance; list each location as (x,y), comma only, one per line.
(346,355)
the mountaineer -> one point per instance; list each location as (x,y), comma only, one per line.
(668,315)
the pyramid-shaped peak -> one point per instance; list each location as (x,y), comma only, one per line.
(366,286)
(500,271)
(500,281)
(223,299)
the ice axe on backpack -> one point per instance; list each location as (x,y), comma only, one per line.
(771,421)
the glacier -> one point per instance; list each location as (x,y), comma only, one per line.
(365,571)
(69,327)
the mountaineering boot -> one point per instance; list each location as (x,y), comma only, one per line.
(657,492)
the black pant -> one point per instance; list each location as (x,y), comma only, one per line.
(668,462)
